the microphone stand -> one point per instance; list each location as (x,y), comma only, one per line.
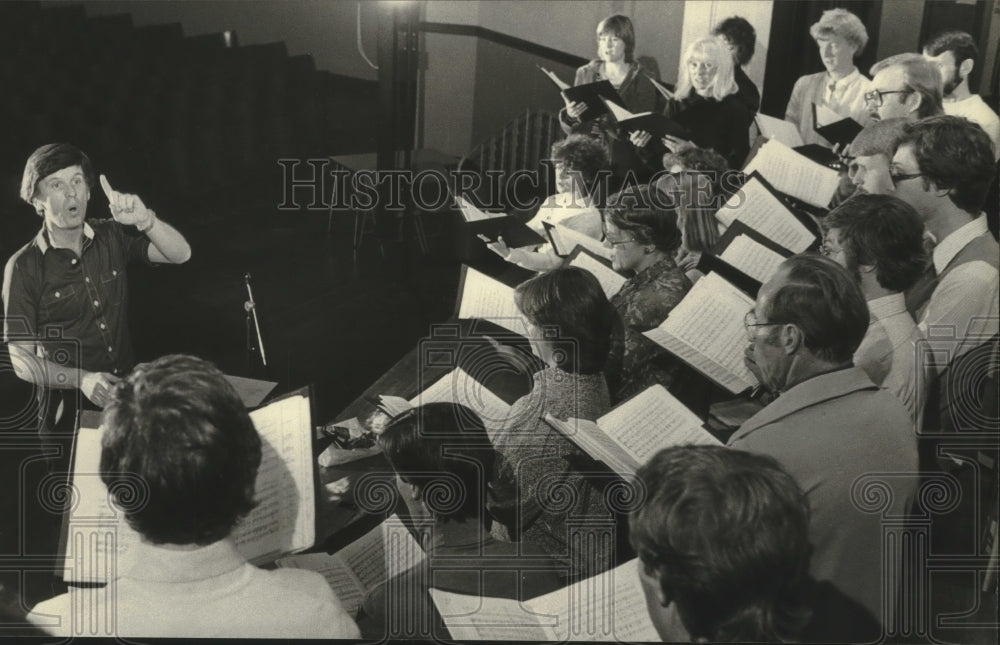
(253,328)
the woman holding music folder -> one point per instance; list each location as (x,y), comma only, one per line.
(545,487)
(707,105)
(645,237)
(578,160)
(615,63)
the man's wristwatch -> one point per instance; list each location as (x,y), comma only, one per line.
(152,222)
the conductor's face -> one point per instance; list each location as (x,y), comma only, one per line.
(61,198)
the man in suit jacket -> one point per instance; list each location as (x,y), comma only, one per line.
(850,445)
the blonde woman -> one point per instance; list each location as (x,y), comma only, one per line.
(707,105)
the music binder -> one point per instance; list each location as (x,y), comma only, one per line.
(657,125)
(564,240)
(792,173)
(590,94)
(611,281)
(716,259)
(772,217)
(96,542)
(833,127)
(515,233)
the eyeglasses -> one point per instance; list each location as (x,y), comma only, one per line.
(750,323)
(874,97)
(617,242)
(897,177)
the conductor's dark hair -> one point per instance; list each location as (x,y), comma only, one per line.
(881,231)
(741,34)
(959,43)
(583,154)
(621,27)
(822,299)
(726,532)
(646,217)
(180,453)
(570,302)
(51,158)
(443,450)
(957,155)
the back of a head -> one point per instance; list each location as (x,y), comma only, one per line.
(741,34)
(822,299)
(881,231)
(726,533)
(649,215)
(180,453)
(582,154)
(878,138)
(957,155)
(570,301)
(51,158)
(841,23)
(959,43)
(443,450)
(921,76)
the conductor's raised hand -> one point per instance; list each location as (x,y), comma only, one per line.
(125,207)
(640,138)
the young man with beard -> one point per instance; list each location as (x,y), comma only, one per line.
(955,53)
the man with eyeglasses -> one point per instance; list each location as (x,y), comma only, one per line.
(944,167)
(955,53)
(904,85)
(830,427)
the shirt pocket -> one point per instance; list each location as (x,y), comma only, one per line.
(60,304)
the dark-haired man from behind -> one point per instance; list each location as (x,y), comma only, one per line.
(722,537)
(443,458)
(831,427)
(955,54)
(879,239)
(180,427)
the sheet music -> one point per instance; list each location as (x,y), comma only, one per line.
(752,258)
(393,405)
(761,210)
(475,618)
(345,585)
(472,214)
(784,131)
(485,298)
(611,281)
(621,114)
(566,239)
(251,391)
(653,420)
(285,518)
(825,116)
(794,174)
(99,539)
(667,94)
(562,85)
(595,442)
(706,330)
(610,606)
(458,387)
(401,550)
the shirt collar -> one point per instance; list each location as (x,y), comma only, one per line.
(948,248)
(42,239)
(154,563)
(847,80)
(881,308)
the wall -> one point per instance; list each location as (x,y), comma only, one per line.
(323,28)
(900,28)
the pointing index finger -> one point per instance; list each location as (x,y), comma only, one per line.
(108,190)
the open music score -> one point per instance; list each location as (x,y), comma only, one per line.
(706,331)
(794,174)
(758,207)
(353,572)
(627,436)
(480,296)
(607,607)
(753,259)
